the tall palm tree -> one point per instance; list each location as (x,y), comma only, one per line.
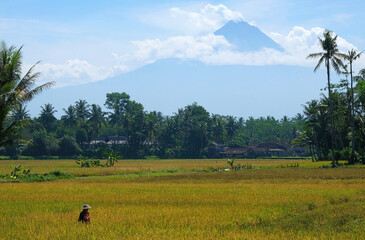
(285,119)
(14,89)
(46,117)
(48,112)
(70,117)
(117,102)
(218,129)
(330,56)
(351,56)
(82,109)
(20,112)
(97,117)
(231,127)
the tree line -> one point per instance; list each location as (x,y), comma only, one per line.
(186,134)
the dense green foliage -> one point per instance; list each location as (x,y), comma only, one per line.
(183,135)
(327,130)
(315,132)
(21,174)
(15,90)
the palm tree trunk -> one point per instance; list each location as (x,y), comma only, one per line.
(333,163)
(352,159)
(312,152)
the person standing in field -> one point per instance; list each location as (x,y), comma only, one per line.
(84,215)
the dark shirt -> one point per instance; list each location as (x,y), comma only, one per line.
(84,217)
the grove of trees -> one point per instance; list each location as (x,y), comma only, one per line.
(186,134)
(334,124)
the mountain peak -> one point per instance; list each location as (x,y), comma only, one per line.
(246,37)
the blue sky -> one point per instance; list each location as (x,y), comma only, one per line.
(87,41)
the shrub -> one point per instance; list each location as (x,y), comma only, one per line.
(112,157)
(68,146)
(17,175)
(85,162)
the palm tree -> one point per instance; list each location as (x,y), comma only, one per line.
(20,112)
(231,127)
(70,118)
(117,102)
(315,124)
(14,90)
(351,56)
(218,129)
(285,119)
(82,109)
(46,117)
(330,57)
(97,117)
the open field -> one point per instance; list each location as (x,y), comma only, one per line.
(145,199)
(148,166)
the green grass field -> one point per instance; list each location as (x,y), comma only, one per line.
(180,199)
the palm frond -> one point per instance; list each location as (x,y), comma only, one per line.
(14,90)
(337,64)
(314,55)
(10,131)
(28,80)
(319,63)
(340,55)
(30,94)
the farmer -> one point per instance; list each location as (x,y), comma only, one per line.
(84,215)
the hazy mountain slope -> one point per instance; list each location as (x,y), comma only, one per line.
(167,85)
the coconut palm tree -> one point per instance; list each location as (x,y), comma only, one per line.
(231,127)
(46,117)
(330,56)
(96,117)
(82,109)
(117,102)
(14,89)
(351,56)
(70,118)
(20,112)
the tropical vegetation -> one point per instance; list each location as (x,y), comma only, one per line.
(15,90)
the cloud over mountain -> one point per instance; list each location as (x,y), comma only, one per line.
(205,20)
(217,50)
(236,43)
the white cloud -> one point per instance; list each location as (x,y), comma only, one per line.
(205,20)
(179,47)
(75,72)
(301,42)
(212,49)
(209,48)
(297,44)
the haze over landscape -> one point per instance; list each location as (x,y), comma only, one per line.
(234,58)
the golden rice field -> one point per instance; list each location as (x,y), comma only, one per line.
(148,166)
(147,200)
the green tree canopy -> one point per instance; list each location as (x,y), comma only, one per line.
(15,89)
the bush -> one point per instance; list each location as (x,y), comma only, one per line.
(68,146)
(85,162)
(21,174)
(112,157)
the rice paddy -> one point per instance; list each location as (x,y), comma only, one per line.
(176,199)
